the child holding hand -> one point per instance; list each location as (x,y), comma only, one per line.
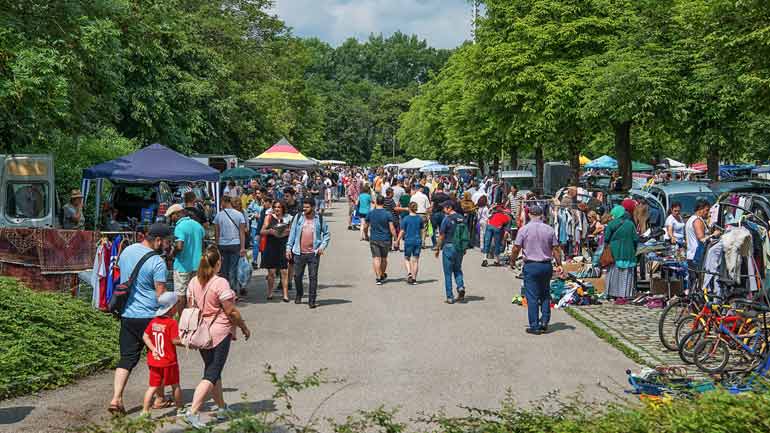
(161,338)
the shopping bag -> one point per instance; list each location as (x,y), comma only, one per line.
(244,272)
(429,230)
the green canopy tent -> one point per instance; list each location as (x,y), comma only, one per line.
(640,166)
(238,173)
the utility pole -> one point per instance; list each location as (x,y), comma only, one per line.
(475,23)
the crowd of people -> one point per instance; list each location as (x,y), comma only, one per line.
(280,218)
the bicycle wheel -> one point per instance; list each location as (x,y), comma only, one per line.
(688,344)
(669,317)
(711,355)
(685,325)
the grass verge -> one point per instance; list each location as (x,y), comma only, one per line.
(604,335)
(49,340)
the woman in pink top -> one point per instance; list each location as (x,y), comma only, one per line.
(215,298)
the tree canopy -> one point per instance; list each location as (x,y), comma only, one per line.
(639,79)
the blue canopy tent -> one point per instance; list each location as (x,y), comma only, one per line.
(603,163)
(155,163)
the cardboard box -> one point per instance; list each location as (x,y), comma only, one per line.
(598,283)
(572,267)
(660,286)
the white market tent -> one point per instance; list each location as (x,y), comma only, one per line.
(672,163)
(332,162)
(415,164)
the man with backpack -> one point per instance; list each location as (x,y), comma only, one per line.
(142,281)
(453,241)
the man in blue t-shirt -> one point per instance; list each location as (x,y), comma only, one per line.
(382,232)
(141,306)
(411,230)
(188,248)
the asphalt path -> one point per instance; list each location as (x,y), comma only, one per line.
(395,345)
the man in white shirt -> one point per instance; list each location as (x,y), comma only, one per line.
(423,206)
(398,190)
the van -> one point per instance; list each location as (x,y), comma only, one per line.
(27,191)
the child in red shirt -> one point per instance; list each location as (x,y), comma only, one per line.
(161,338)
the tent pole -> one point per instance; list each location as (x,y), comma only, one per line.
(98,201)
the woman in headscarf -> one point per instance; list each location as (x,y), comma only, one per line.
(621,237)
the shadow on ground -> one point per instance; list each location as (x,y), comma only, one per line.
(12,415)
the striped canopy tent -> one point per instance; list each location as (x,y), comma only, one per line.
(281,155)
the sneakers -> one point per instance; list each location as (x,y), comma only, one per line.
(193,420)
(450,301)
(517,300)
(484,263)
(409,279)
(414,281)
(460,295)
(223,413)
(378,281)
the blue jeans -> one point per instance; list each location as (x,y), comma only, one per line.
(436,219)
(537,277)
(229,271)
(453,266)
(493,234)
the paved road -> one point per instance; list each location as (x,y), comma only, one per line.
(395,344)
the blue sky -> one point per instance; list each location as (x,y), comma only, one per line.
(444,23)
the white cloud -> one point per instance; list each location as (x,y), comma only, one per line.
(444,23)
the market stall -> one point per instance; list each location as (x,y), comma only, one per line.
(282,155)
(150,165)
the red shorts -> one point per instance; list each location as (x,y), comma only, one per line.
(164,376)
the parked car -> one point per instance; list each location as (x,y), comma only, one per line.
(28,191)
(685,193)
(756,186)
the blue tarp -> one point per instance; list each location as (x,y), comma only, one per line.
(603,163)
(154,163)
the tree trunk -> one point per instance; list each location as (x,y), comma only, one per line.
(574,162)
(496,164)
(712,161)
(481,165)
(539,168)
(514,157)
(623,152)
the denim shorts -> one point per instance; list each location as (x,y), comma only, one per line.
(412,250)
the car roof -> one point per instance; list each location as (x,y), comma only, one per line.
(682,187)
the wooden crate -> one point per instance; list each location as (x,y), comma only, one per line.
(659,286)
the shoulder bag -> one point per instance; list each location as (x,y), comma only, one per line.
(192,333)
(122,291)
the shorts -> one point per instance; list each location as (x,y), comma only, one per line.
(164,376)
(412,250)
(380,248)
(131,342)
(181,281)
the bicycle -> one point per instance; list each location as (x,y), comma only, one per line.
(703,324)
(712,354)
(676,310)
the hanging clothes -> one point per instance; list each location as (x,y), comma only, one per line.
(113,279)
(99,272)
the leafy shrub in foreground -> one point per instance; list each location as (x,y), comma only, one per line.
(715,411)
(49,339)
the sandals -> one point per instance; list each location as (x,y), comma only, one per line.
(165,404)
(117,410)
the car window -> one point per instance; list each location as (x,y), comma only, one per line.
(27,199)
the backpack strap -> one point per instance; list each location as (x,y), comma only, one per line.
(138,267)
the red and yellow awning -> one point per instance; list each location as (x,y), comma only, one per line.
(281,155)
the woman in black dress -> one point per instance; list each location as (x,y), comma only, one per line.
(276,229)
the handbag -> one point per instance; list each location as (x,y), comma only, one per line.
(606,260)
(191,332)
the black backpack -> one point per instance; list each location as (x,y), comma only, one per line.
(123,290)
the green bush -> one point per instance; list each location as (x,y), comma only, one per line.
(49,340)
